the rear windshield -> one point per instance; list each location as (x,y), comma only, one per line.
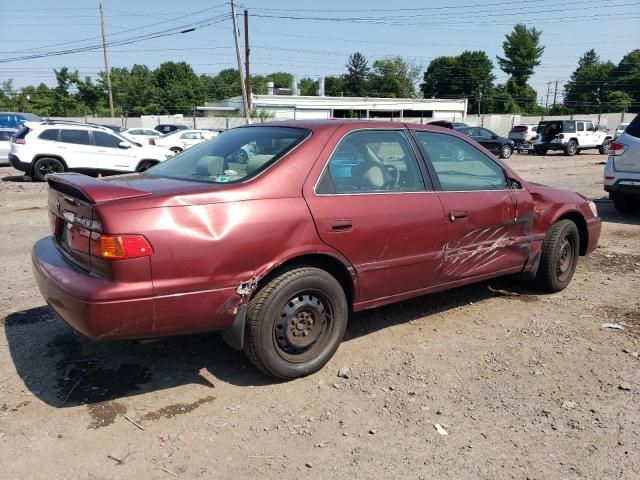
(520,128)
(634,127)
(232,156)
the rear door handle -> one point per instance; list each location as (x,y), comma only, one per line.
(339,225)
(458,216)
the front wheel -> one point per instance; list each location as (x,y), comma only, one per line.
(604,148)
(560,251)
(572,148)
(46,165)
(145,165)
(295,323)
(506,151)
(176,150)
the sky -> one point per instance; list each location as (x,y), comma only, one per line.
(305,37)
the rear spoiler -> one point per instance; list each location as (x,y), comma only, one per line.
(89,189)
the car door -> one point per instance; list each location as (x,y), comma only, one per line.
(581,135)
(488,140)
(590,134)
(76,149)
(112,155)
(488,222)
(371,203)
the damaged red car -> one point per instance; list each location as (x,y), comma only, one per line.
(272,234)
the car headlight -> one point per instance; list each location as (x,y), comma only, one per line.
(593,208)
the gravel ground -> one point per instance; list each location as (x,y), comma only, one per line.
(524,385)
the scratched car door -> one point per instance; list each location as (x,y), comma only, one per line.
(484,234)
(370,202)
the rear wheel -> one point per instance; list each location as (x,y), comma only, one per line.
(506,151)
(175,149)
(296,323)
(560,251)
(572,148)
(46,165)
(623,203)
(145,165)
(604,148)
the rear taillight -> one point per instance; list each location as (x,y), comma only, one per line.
(19,141)
(617,149)
(119,247)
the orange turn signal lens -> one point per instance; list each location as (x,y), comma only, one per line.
(120,247)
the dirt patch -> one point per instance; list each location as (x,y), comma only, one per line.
(105,413)
(611,262)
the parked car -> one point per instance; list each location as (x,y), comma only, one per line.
(48,147)
(622,172)
(523,137)
(141,135)
(275,253)
(620,130)
(15,119)
(570,136)
(501,146)
(5,145)
(115,128)
(169,127)
(182,139)
(447,124)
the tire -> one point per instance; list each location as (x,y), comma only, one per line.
(604,148)
(624,204)
(571,149)
(506,151)
(45,166)
(145,165)
(176,150)
(299,303)
(560,252)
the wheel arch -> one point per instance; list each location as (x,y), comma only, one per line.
(44,155)
(153,162)
(583,232)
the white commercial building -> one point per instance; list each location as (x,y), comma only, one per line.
(288,107)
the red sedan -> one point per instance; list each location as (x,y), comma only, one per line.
(273,233)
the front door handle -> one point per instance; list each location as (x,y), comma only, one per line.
(339,225)
(458,216)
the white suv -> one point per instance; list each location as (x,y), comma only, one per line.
(570,136)
(622,172)
(58,146)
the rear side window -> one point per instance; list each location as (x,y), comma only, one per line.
(79,137)
(580,126)
(634,127)
(568,127)
(5,136)
(459,165)
(520,129)
(51,134)
(234,156)
(372,161)
(103,139)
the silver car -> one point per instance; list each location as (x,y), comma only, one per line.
(622,172)
(523,136)
(620,130)
(5,146)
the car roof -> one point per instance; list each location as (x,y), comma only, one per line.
(66,124)
(356,124)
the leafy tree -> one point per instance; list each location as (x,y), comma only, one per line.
(393,77)
(589,85)
(619,101)
(309,87)
(334,86)
(89,93)
(355,81)
(466,75)
(627,78)
(280,79)
(224,85)
(63,103)
(522,52)
(179,87)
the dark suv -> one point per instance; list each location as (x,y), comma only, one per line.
(165,128)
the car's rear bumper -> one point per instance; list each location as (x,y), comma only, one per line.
(18,164)
(626,187)
(83,301)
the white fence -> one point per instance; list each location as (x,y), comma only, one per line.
(501,124)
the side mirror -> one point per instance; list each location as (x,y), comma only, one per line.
(124,144)
(513,183)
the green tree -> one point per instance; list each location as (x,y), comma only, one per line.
(179,87)
(393,77)
(309,87)
(589,86)
(334,86)
(89,94)
(355,81)
(619,101)
(627,78)
(225,84)
(64,104)
(280,79)
(522,52)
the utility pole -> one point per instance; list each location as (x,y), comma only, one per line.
(247,52)
(106,63)
(555,94)
(236,38)
(546,104)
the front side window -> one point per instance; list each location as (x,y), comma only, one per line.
(568,127)
(236,155)
(484,133)
(590,127)
(460,166)
(190,136)
(580,126)
(372,161)
(78,137)
(135,132)
(103,139)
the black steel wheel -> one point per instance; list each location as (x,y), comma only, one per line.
(625,204)
(46,165)
(295,323)
(560,252)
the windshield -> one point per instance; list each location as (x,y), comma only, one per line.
(232,156)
